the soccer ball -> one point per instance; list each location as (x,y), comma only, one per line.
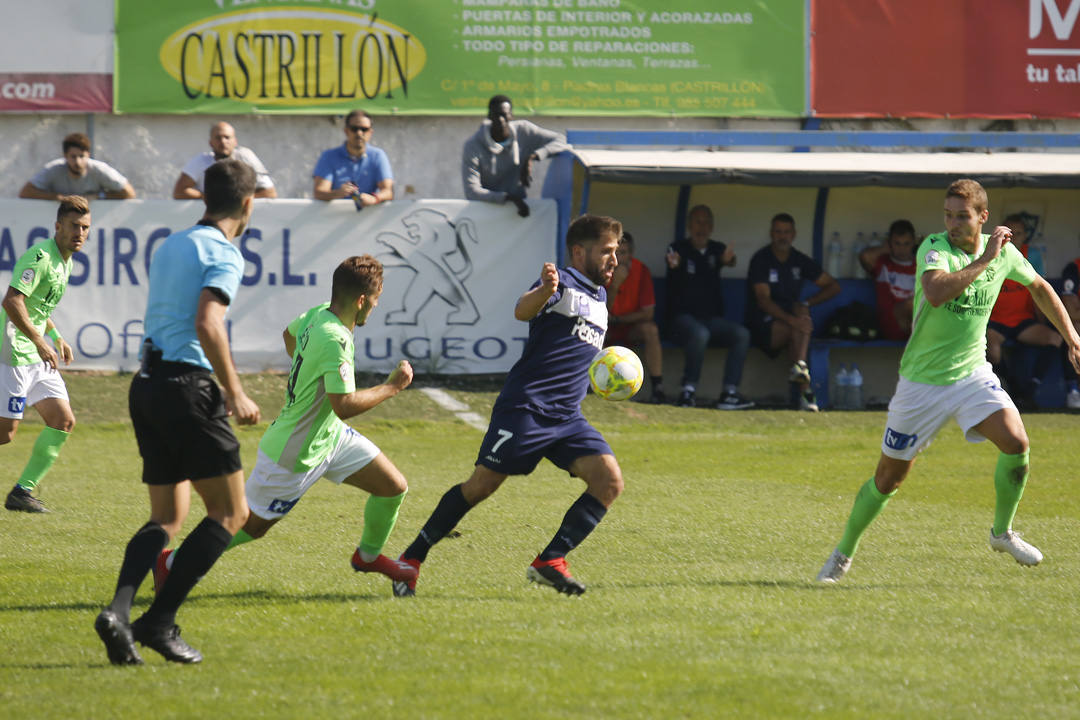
(616,373)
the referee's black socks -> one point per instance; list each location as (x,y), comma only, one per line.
(194,558)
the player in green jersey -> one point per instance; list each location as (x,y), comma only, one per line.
(944,372)
(309,439)
(28,365)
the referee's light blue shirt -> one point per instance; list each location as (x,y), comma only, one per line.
(339,167)
(188,261)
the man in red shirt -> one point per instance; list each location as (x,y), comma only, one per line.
(631,306)
(892,266)
(1015,318)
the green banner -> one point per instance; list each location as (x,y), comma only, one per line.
(567,57)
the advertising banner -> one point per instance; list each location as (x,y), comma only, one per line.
(927,58)
(57,57)
(453,271)
(567,57)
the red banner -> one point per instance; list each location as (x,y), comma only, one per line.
(55,92)
(954,58)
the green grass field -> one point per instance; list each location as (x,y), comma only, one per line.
(701,600)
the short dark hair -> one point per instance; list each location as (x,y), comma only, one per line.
(72,205)
(76,140)
(358,113)
(1014,218)
(901,227)
(702,208)
(227,183)
(782,217)
(587,229)
(629,238)
(356,276)
(497,100)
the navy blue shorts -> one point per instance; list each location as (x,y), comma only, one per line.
(1011,333)
(516,440)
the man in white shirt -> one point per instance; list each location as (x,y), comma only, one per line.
(189,186)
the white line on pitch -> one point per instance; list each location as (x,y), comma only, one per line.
(461,411)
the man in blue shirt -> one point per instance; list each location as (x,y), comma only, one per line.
(538,412)
(356,169)
(180,417)
(776,314)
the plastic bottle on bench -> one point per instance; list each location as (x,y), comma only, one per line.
(841,388)
(855,390)
(834,262)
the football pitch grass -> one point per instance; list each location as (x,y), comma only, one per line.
(700,604)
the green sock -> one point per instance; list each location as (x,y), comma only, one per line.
(239,538)
(1010,477)
(868,505)
(46,448)
(380,515)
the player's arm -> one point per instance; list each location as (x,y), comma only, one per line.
(185,189)
(290,342)
(210,329)
(347,405)
(14,305)
(940,286)
(827,288)
(533,301)
(1051,306)
(868,257)
(31,191)
(125,193)
(767,306)
(65,351)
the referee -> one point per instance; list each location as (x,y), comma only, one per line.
(180,417)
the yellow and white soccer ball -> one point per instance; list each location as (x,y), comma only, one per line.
(616,373)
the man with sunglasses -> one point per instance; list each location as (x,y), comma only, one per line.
(355,169)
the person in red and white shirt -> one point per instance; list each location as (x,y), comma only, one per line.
(892,266)
(631,306)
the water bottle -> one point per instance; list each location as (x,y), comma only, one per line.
(834,263)
(842,388)
(855,393)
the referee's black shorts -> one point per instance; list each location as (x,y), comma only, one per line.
(181,425)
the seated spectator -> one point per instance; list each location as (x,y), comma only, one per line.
(189,186)
(1070,298)
(778,319)
(77,174)
(1015,318)
(631,306)
(892,266)
(696,307)
(357,169)
(497,161)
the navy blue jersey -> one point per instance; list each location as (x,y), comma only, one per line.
(551,377)
(694,286)
(785,280)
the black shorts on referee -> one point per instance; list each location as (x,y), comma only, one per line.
(181,425)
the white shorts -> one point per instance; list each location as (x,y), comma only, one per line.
(272,490)
(27,385)
(917,411)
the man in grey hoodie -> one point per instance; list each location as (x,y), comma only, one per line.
(497,161)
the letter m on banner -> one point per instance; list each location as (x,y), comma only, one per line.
(1062,25)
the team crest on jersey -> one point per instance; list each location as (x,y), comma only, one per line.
(774,276)
(344,372)
(27,276)
(796,273)
(931,257)
(1069,286)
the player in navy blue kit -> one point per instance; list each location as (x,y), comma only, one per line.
(538,412)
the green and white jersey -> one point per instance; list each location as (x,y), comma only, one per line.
(949,342)
(307,429)
(41,275)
